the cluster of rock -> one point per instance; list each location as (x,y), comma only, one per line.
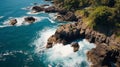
(63,15)
(98,56)
(44,7)
(105,55)
(68,16)
(26,19)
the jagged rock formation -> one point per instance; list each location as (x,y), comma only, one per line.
(98,56)
(63,15)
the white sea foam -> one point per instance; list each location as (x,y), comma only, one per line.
(50,20)
(2,26)
(53,16)
(26,8)
(42,41)
(60,55)
(34,13)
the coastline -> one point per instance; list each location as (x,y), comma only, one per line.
(48,35)
(105,45)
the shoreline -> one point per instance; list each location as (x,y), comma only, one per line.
(105,44)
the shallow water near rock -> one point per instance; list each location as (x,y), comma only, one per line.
(24,45)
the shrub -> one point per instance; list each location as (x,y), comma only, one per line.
(102,16)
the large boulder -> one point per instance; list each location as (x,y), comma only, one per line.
(75,46)
(37,9)
(13,21)
(29,19)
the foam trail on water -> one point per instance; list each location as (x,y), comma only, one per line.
(51,20)
(60,55)
(2,26)
(20,21)
(53,16)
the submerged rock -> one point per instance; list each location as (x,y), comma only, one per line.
(75,46)
(29,19)
(13,21)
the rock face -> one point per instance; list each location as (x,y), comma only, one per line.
(66,16)
(107,52)
(105,56)
(29,19)
(75,46)
(63,15)
(13,22)
(50,9)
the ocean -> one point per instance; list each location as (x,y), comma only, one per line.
(24,45)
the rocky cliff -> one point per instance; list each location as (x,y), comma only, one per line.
(107,51)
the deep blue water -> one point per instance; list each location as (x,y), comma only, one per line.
(20,46)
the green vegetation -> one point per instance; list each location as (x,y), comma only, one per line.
(103,16)
(96,13)
(77,4)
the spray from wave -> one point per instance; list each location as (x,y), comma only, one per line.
(60,55)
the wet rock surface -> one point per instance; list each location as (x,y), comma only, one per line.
(13,21)
(63,15)
(36,9)
(107,51)
(29,19)
(75,46)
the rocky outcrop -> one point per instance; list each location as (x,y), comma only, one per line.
(51,9)
(63,15)
(66,16)
(105,56)
(37,9)
(13,21)
(29,19)
(107,51)
(75,46)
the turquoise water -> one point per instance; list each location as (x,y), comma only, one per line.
(24,45)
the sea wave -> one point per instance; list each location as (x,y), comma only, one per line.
(60,55)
